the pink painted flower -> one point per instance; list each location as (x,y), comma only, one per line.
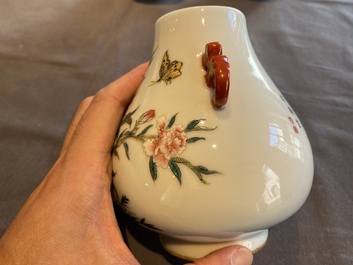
(168,143)
(147,116)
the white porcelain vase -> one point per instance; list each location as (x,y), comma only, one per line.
(206,176)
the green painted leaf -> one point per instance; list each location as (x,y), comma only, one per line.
(129,133)
(153,169)
(198,174)
(175,169)
(133,112)
(126,147)
(119,136)
(180,160)
(171,122)
(192,125)
(115,153)
(203,128)
(206,171)
(150,226)
(127,119)
(145,130)
(124,199)
(194,139)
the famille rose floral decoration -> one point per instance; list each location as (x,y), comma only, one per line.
(198,95)
(166,147)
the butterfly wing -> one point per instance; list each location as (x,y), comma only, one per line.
(164,66)
(173,71)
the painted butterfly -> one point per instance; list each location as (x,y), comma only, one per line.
(169,70)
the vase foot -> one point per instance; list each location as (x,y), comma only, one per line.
(192,250)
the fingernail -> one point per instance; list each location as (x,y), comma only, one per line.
(242,256)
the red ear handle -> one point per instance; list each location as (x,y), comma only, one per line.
(217,74)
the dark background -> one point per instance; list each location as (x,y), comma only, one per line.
(55,53)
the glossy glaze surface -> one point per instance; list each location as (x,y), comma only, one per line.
(253,155)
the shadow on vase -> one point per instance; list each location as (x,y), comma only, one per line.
(145,237)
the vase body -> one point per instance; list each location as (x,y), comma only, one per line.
(206,177)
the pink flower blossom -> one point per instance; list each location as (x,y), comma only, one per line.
(168,143)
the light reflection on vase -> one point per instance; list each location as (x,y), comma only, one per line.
(246,167)
(277,139)
(272,192)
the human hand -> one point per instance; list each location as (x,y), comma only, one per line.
(69,218)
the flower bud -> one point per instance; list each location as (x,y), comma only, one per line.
(147,116)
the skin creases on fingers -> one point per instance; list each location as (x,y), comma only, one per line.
(97,127)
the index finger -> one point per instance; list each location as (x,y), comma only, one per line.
(97,127)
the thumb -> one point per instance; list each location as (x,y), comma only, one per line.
(232,255)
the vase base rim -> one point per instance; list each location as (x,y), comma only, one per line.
(188,250)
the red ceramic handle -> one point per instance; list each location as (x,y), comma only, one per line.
(217,70)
